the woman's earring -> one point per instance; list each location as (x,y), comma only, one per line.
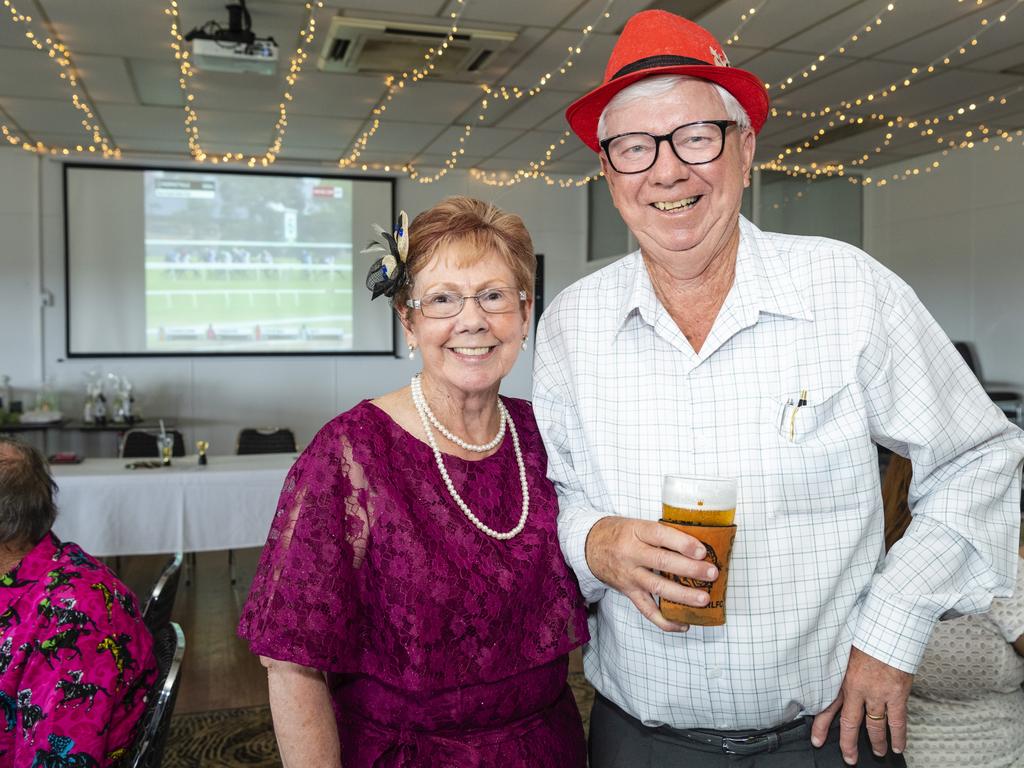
(412,351)
(524,343)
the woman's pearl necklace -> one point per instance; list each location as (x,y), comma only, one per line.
(428,418)
(417,389)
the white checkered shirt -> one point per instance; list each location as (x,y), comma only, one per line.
(622,400)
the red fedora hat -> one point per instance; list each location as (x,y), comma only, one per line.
(661,43)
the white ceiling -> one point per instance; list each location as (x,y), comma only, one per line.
(121,49)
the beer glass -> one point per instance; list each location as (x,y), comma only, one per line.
(166,443)
(705,508)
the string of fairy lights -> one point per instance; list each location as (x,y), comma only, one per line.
(841,113)
(907,80)
(745,17)
(513,93)
(305,37)
(942,127)
(854,37)
(54,48)
(396,85)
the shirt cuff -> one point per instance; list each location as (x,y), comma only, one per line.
(573,528)
(893,633)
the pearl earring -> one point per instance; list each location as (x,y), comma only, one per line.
(524,343)
(412,351)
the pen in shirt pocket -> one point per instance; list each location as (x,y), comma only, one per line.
(792,414)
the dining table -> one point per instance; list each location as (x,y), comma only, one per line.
(113,507)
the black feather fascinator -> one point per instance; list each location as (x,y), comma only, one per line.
(388,273)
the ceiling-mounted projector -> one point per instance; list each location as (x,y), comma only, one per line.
(235,48)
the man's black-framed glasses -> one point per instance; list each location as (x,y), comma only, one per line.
(495,301)
(693,143)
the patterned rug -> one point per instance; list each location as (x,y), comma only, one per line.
(229,738)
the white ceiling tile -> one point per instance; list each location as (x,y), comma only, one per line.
(773,66)
(998,60)
(236,91)
(590,11)
(548,13)
(777,21)
(853,81)
(156,83)
(106,78)
(481,142)
(934,94)
(161,123)
(113,27)
(530,146)
(407,138)
(57,115)
(432,101)
(931,44)
(37,76)
(331,94)
(307,131)
(533,110)
(225,129)
(586,72)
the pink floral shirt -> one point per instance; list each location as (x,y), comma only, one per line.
(76,661)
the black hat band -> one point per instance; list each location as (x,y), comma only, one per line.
(653,62)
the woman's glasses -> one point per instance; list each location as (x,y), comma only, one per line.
(495,301)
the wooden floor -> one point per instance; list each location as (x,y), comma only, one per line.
(218,671)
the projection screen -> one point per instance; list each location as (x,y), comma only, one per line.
(163,261)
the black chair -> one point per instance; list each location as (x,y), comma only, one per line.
(1006,399)
(141,444)
(157,611)
(148,749)
(253,440)
(265,440)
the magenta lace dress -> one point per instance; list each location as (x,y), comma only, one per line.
(442,646)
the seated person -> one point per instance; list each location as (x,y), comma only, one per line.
(76,659)
(966,706)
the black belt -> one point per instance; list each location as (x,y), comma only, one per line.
(745,742)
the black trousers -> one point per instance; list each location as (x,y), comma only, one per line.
(618,740)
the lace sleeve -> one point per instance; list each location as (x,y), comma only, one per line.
(304,603)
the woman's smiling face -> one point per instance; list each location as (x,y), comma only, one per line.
(473,351)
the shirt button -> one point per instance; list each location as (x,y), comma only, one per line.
(714,673)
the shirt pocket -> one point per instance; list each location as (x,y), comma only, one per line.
(819,458)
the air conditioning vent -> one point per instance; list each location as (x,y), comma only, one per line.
(374,45)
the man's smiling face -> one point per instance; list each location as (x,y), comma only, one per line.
(683,216)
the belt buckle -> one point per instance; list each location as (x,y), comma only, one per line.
(734,746)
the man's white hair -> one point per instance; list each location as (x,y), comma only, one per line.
(656,86)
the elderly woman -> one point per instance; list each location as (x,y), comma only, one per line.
(412,605)
(75,656)
(966,706)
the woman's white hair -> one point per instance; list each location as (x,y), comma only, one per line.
(657,86)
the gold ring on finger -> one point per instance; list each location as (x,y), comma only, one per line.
(875,717)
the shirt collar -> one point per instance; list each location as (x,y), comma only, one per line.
(764,282)
(38,561)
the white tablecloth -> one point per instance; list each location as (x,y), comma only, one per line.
(111,510)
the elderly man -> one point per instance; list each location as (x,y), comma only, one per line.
(76,659)
(782,361)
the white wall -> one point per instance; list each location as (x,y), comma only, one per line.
(213,397)
(20,317)
(956,235)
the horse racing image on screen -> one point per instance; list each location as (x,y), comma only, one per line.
(214,262)
(240,263)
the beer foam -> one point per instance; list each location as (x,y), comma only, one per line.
(695,492)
